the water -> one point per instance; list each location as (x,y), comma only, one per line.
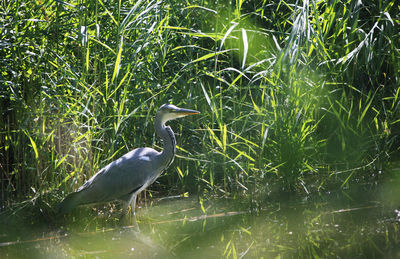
(360,223)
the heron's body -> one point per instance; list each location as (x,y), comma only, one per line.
(130,174)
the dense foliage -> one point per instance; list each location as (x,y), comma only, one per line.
(295,95)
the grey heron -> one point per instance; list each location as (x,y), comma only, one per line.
(130,174)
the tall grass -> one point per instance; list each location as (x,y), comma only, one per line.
(293,95)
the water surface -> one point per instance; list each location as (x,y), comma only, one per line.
(357,223)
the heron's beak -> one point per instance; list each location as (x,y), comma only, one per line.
(184,112)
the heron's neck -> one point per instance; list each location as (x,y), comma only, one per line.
(168,137)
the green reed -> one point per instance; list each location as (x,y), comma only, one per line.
(293,95)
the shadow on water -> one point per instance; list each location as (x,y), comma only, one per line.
(356,223)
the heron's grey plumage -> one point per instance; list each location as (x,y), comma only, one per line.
(130,174)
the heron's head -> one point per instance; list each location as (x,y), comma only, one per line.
(170,112)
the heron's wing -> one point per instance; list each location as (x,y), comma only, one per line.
(121,177)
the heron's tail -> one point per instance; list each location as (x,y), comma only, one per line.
(69,203)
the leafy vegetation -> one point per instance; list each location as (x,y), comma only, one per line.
(296,96)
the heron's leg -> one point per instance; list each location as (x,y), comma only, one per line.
(133,204)
(133,207)
(126,203)
(125,206)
